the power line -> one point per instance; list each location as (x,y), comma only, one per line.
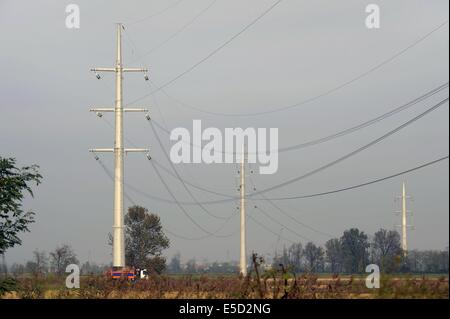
(366,183)
(335,162)
(341,159)
(301,103)
(168,189)
(165,169)
(214,52)
(210,234)
(132,201)
(338,160)
(176,33)
(326,193)
(314,142)
(203,189)
(184,210)
(173,5)
(319,194)
(162,167)
(203,237)
(178,175)
(289,215)
(277,242)
(280,224)
(340,133)
(321,140)
(359,150)
(110,175)
(169,172)
(268,229)
(119,150)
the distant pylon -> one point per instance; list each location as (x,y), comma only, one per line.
(243,257)
(404,225)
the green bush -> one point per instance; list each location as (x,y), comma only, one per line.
(7,285)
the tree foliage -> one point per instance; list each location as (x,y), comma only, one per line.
(144,240)
(61,257)
(14,184)
(427,261)
(334,256)
(386,250)
(175,264)
(354,245)
(295,256)
(314,257)
(39,265)
(353,252)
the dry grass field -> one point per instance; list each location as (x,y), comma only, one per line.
(306,286)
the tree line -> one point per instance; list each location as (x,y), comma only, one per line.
(354,250)
(55,262)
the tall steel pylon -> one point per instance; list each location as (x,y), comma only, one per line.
(243,239)
(404,225)
(118,150)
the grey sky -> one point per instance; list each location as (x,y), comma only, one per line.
(300,49)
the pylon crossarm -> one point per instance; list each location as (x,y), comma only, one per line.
(136,150)
(134,70)
(102,110)
(102,150)
(135,110)
(103,70)
(127,110)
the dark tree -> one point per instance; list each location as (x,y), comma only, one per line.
(334,255)
(413,262)
(387,251)
(427,261)
(14,184)
(39,265)
(355,246)
(434,262)
(314,257)
(286,259)
(295,256)
(191,266)
(90,268)
(61,257)
(144,240)
(175,264)
(156,264)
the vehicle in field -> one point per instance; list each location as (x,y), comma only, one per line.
(127,273)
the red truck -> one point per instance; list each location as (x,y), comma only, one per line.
(130,274)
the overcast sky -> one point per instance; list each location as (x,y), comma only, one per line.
(299,50)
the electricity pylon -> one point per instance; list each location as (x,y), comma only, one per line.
(243,257)
(118,150)
(404,226)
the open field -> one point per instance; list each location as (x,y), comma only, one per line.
(229,287)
